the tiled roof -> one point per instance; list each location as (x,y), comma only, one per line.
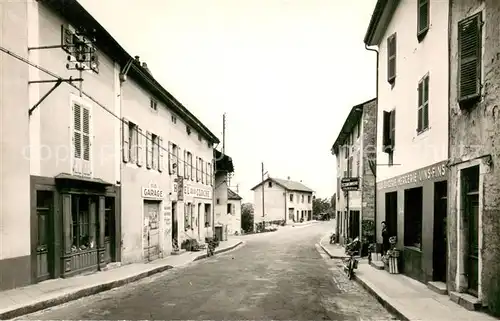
(288,184)
(231,195)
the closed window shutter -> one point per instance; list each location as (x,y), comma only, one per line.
(149,150)
(125,141)
(171,160)
(139,149)
(391,58)
(185,165)
(178,161)
(207,178)
(420,109)
(393,129)
(77,139)
(386,135)
(425,101)
(197,169)
(423,15)
(202,171)
(86,143)
(469,58)
(160,154)
(192,166)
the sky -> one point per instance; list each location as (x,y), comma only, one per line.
(285,72)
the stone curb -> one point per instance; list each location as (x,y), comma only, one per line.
(370,289)
(93,289)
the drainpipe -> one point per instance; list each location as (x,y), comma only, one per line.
(376,134)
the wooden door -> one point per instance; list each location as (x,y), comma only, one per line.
(473,250)
(44,255)
(109,229)
(151,236)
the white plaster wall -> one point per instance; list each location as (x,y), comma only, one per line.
(414,60)
(274,202)
(234,220)
(14,133)
(298,205)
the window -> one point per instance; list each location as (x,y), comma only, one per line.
(81,140)
(218,201)
(202,172)
(229,207)
(188,130)
(191,166)
(174,119)
(423,104)
(133,139)
(270,184)
(173,158)
(200,138)
(413,217)
(153,104)
(391,59)
(302,198)
(82,231)
(209,171)
(309,199)
(291,197)
(152,151)
(469,59)
(389,131)
(349,166)
(187,208)
(422,19)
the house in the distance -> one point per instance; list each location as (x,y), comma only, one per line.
(284,200)
(233,212)
(223,167)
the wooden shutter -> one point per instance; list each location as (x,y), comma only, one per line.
(178,161)
(202,171)
(197,169)
(391,58)
(86,142)
(393,129)
(386,134)
(191,166)
(207,178)
(185,165)
(425,103)
(149,150)
(420,106)
(423,16)
(125,141)
(469,58)
(210,177)
(77,139)
(171,159)
(139,149)
(160,154)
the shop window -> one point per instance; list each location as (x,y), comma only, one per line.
(81,228)
(413,218)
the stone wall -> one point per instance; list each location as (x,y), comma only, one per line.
(368,178)
(474,135)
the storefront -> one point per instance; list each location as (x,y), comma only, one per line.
(414,207)
(153,202)
(75,225)
(197,199)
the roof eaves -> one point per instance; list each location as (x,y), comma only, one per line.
(384,9)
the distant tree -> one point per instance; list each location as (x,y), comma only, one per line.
(333,204)
(247,217)
(321,205)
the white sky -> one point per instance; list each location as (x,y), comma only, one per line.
(286,72)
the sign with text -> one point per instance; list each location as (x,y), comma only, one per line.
(153,192)
(349,184)
(432,172)
(198,192)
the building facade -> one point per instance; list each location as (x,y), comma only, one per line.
(354,149)
(474,191)
(223,168)
(163,147)
(412,146)
(78,150)
(234,211)
(284,201)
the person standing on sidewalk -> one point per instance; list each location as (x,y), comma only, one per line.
(385,238)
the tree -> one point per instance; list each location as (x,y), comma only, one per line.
(247,217)
(321,206)
(333,204)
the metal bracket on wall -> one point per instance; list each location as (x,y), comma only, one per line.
(57,83)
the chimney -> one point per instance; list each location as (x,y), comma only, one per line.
(301,181)
(137,60)
(288,177)
(145,67)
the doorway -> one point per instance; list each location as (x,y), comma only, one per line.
(44,253)
(151,236)
(175,227)
(470,222)
(439,261)
(354,225)
(109,230)
(391,213)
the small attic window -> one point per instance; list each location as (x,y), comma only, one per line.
(199,137)
(188,130)
(153,104)
(270,184)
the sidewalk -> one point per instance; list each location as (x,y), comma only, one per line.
(32,298)
(408,299)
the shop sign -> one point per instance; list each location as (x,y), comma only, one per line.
(349,184)
(179,188)
(198,192)
(432,172)
(152,192)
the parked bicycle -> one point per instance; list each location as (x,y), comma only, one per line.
(351,263)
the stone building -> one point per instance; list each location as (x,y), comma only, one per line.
(411,38)
(356,169)
(474,192)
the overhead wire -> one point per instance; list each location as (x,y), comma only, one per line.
(169,153)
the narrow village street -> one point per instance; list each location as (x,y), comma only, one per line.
(280,275)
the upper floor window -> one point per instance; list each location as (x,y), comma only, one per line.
(154,152)
(309,199)
(130,140)
(422,18)
(270,184)
(423,104)
(291,197)
(200,138)
(174,119)
(391,58)
(389,132)
(302,198)
(188,130)
(469,59)
(173,158)
(153,104)
(81,140)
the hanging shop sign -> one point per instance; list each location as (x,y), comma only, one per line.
(349,184)
(433,172)
(153,192)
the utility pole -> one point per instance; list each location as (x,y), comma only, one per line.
(224,134)
(263,207)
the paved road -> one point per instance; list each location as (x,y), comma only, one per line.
(279,275)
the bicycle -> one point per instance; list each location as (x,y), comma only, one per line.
(351,263)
